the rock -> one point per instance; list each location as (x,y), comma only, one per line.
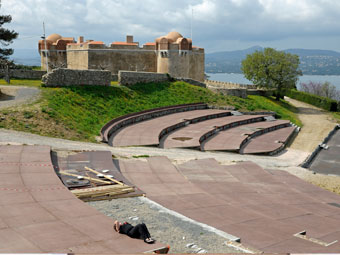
(189,245)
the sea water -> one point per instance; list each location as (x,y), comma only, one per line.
(239,78)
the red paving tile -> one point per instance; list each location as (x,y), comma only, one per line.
(268,142)
(11,242)
(231,139)
(38,214)
(190,135)
(264,208)
(147,132)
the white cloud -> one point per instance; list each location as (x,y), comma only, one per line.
(215,21)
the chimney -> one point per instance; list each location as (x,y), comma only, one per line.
(129,38)
(80,39)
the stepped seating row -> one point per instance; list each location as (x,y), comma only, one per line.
(206,129)
(149,131)
(120,122)
(234,138)
(265,209)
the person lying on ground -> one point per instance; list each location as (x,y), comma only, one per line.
(140,231)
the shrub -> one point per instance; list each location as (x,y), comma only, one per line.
(322,102)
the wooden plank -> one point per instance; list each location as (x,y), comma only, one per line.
(105,176)
(87,178)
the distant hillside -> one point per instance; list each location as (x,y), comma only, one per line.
(318,62)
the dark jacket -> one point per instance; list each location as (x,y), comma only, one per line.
(125,228)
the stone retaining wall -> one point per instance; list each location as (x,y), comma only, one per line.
(23,74)
(68,77)
(230,92)
(192,82)
(128,78)
(228,85)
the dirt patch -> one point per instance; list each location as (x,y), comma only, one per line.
(32,119)
(317,124)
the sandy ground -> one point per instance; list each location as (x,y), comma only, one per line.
(317,124)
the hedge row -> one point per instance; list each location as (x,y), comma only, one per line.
(322,102)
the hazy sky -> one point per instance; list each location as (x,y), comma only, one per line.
(217,25)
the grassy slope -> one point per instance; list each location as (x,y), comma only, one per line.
(80,112)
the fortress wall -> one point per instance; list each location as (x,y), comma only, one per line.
(127,78)
(77,59)
(196,66)
(129,60)
(56,59)
(178,64)
(69,77)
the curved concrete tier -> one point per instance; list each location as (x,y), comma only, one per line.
(191,135)
(114,125)
(148,132)
(265,208)
(39,215)
(233,138)
(271,142)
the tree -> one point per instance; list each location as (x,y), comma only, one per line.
(272,69)
(6,38)
(325,89)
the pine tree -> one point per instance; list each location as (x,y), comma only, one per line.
(6,38)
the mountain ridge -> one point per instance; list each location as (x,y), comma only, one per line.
(312,61)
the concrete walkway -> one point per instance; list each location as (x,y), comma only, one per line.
(288,158)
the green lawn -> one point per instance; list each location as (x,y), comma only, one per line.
(22,82)
(79,112)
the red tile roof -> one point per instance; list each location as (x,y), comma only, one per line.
(123,43)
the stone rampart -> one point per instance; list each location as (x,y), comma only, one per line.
(192,82)
(24,74)
(237,92)
(128,78)
(69,77)
(228,85)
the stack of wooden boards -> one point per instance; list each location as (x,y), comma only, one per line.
(111,188)
(102,192)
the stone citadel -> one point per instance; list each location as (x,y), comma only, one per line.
(172,54)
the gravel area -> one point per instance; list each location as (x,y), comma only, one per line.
(16,95)
(317,124)
(183,236)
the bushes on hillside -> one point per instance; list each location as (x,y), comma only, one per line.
(322,102)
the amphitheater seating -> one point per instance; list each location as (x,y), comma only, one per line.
(148,132)
(190,136)
(197,126)
(264,208)
(38,214)
(120,122)
(271,142)
(233,139)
